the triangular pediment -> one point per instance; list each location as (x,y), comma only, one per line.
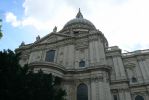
(53,37)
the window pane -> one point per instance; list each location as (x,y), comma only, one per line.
(82,63)
(115,97)
(134,79)
(50,56)
(82,92)
(139,98)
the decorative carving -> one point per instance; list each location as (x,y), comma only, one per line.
(61,53)
(140,58)
(97,91)
(81,43)
(36,56)
(130,66)
(114,91)
(97,79)
(82,50)
(67,63)
(52,39)
(61,61)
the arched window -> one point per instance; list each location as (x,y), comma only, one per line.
(138,97)
(50,56)
(82,92)
(82,63)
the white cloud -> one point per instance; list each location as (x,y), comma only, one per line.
(43,15)
(42,10)
(11,18)
(125,25)
(124,22)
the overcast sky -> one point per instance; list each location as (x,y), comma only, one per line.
(125,23)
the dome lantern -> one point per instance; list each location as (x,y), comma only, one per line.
(78,23)
(79,14)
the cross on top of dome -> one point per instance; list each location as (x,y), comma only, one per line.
(79,23)
(79,14)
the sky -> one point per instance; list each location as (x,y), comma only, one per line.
(125,23)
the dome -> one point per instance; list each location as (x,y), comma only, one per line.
(79,23)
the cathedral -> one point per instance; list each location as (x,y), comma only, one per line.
(89,68)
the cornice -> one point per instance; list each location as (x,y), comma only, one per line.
(68,71)
(119,81)
(119,86)
(47,65)
(138,85)
(136,53)
(113,51)
(66,41)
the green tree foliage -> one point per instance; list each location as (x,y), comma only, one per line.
(20,83)
(1,34)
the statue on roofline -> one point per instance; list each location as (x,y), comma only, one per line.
(55,29)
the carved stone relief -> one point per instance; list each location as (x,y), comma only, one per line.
(35,56)
(52,39)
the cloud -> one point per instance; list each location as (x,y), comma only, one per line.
(125,25)
(124,22)
(39,9)
(11,18)
(42,15)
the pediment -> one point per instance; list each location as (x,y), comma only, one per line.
(49,39)
(53,37)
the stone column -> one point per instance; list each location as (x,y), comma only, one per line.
(107,91)
(93,88)
(124,94)
(69,87)
(100,90)
(101,52)
(116,68)
(119,68)
(127,95)
(143,70)
(97,52)
(65,55)
(146,68)
(121,95)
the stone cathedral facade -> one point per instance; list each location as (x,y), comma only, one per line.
(90,69)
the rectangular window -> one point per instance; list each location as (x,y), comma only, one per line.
(115,97)
(82,63)
(50,56)
(75,32)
